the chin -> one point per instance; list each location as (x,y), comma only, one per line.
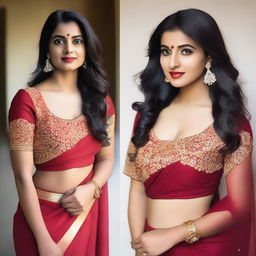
(178,85)
(68,69)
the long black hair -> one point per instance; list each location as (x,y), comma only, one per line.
(92,81)
(226,95)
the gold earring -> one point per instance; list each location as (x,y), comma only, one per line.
(166,80)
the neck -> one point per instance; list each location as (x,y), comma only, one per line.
(65,81)
(196,93)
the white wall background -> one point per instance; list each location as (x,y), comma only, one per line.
(138,18)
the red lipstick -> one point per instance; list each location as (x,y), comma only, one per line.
(68,59)
(176,75)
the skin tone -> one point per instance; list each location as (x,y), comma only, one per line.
(66,41)
(179,53)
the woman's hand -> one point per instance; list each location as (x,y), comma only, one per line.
(158,241)
(49,248)
(77,199)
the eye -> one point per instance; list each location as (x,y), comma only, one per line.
(78,41)
(58,41)
(186,51)
(166,52)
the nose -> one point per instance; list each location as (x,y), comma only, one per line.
(174,60)
(68,47)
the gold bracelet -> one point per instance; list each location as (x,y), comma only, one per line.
(97,191)
(192,235)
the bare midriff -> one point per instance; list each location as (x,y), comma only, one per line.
(167,213)
(60,181)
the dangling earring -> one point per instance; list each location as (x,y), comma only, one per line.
(48,66)
(209,77)
(166,80)
(84,65)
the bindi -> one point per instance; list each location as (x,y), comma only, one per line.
(68,35)
(172,47)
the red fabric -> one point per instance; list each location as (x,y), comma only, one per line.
(79,155)
(218,245)
(22,106)
(180,181)
(92,238)
(110,106)
(87,242)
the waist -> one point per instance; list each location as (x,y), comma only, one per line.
(164,213)
(61,181)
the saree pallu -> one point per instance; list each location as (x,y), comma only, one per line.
(235,241)
(218,245)
(82,235)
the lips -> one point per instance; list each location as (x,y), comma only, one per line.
(68,59)
(176,75)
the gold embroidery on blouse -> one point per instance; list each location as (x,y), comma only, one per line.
(21,134)
(53,135)
(238,156)
(200,151)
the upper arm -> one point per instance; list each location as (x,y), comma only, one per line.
(137,186)
(21,133)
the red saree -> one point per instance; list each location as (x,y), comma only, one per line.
(58,144)
(192,167)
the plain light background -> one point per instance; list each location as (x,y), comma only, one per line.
(138,18)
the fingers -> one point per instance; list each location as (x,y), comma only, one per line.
(73,208)
(74,212)
(70,205)
(136,244)
(69,192)
(71,200)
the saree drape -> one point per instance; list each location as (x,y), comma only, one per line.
(192,167)
(58,144)
(76,235)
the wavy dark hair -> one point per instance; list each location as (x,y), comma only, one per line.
(226,95)
(92,81)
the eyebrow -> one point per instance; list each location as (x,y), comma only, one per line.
(64,36)
(180,46)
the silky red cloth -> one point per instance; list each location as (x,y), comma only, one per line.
(91,239)
(181,181)
(29,121)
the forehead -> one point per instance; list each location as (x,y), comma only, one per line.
(176,38)
(70,28)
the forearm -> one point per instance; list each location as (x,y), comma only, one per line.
(136,213)
(102,171)
(207,225)
(31,209)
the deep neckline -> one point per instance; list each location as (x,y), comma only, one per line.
(50,113)
(153,135)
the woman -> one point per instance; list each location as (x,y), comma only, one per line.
(63,123)
(191,129)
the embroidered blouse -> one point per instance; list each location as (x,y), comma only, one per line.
(189,167)
(57,144)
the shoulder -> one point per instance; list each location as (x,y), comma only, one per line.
(22,105)
(243,125)
(110,106)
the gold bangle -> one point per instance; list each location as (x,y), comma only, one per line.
(97,191)
(192,236)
